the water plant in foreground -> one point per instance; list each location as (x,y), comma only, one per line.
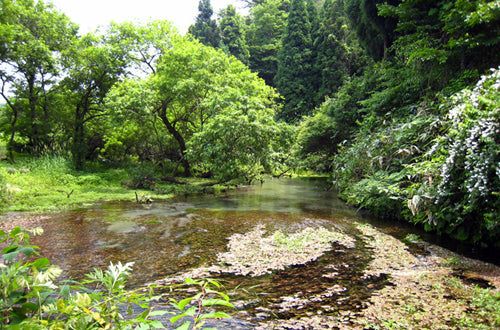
(30,297)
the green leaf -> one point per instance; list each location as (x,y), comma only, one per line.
(9,249)
(217,302)
(14,232)
(40,263)
(190,281)
(215,315)
(10,256)
(29,307)
(27,251)
(157,324)
(184,326)
(184,302)
(214,283)
(189,312)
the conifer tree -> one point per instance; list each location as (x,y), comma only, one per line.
(314,74)
(267,24)
(205,28)
(376,33)
(233,39)
(339,53)
(295,63)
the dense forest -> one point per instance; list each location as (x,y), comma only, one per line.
(397,101)
(390,106)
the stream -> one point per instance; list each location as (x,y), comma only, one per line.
(166,239)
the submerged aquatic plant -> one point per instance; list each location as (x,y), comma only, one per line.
(255,254)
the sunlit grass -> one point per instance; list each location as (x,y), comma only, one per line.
(50,184)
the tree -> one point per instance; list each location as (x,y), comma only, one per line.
(295,64)
(205,28)
(232,31)
(192,84)
(314,73)
(251,134)
(376,33)
(133,132)
(252,3)
(94,66)
(265,31)
(144,43)
(339,55)
(33,34)
(439,39)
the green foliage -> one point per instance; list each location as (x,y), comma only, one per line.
(375,32)
(95,66)
(193,310)
(232,32)
(33,35)
(27,281)
(51,183)
(334,122)
(339,55)
(283,159)
(3,190)
(32,299)
(412,238)
(444,32)
(264,36)
(205,29)
(315,141)
(193,89)
(379,128)
(468,155)
(296,64)
(250,135)
(484,306)
(431,169)
(100,301)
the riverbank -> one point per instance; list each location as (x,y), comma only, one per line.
(414,285)
(289,254)
(50,184)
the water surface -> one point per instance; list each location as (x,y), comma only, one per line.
(168,238)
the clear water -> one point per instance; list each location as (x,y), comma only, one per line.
(167,238)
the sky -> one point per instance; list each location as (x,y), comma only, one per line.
(90,14)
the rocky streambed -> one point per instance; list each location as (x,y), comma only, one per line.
(289,254)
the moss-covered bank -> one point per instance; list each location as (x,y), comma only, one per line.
(50,184)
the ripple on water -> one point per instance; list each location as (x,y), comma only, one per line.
(180,238)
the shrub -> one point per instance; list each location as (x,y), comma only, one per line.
(465,199)
(32,299)
(438,170)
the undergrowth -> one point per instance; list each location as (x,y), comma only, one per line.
(50,184)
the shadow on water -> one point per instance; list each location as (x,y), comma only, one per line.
(167,238)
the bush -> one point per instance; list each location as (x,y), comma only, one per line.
(429,168)
(234,145)
(3,190)
(465,199)
(31,299)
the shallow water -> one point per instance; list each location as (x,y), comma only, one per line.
(164,239)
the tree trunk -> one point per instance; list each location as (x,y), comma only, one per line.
(13,123)
(178,137)
(10,146)
(32,100)
(78,149)
(46,141)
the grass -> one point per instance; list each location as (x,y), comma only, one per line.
(50,184)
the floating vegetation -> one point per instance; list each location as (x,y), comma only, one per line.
(255,254)
(390,254)
(424,293)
